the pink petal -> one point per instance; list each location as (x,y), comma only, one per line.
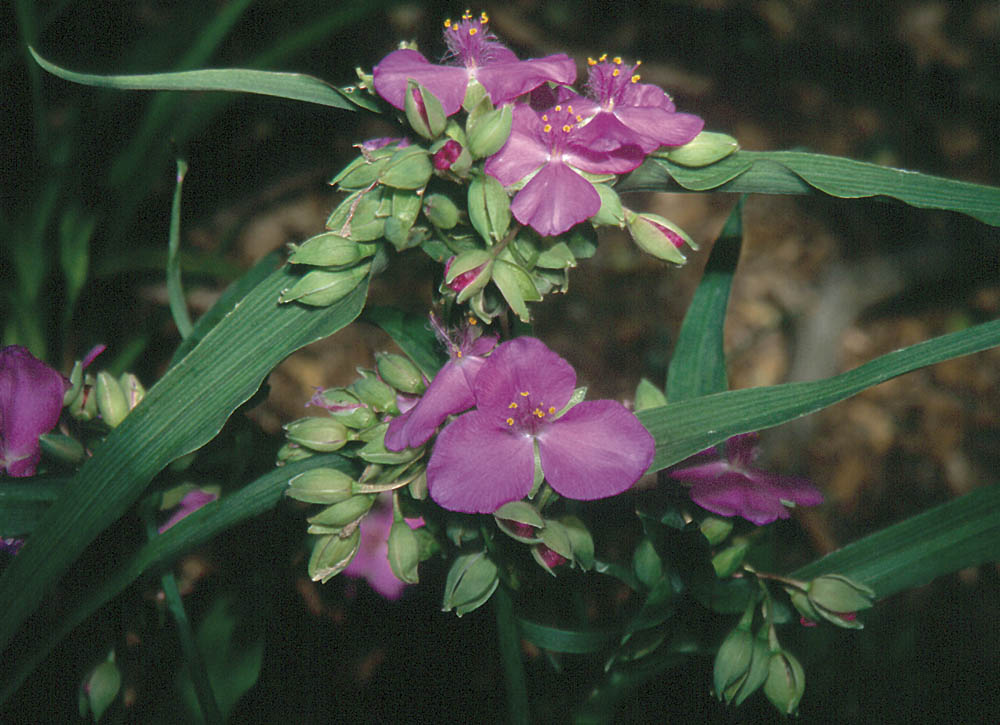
(477,468)
(556,199)
(523,153)
(524,364)
(662,126)
(447,83)
(733,495)
(597,449)
(450,392)
(31,400)
(506,81)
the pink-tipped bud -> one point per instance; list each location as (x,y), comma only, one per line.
(447,155)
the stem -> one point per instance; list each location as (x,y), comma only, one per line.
(509,641)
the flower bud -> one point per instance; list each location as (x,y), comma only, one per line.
(418,487)
(319,434)
(362,172)
(649,396)
(580,540)
(408,168)
(375,393)
(322,288)
(291,452)
(786,682)
(468,273)
(657,236)
(730,559)
(133,389)
(704,149)
(343,406)
(423,111)
(404,552)
(100,688)
(716,530)
(75,384)
(446,156)
(489,208)
(732,662)
(84,406)
(332,553)
(321,485)
(357,217)
(489,131)
(547,558)
(611,213)
(344,513)
(374,451)
(516,286)
(111,401)
(471,581)
(520,520)
(441,211)
(646,564)
(330,250)
(62,447)
(836,598)
(760,658)
(400,373)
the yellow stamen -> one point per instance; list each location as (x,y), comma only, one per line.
(604,57)
(579,118)
(635,78)
(558,108)
(526,393)
(472,31)
(547,128)
(537,412)
(473,321)
(551,410)
(447,23)
(638,63)
(458,354)
(591,61)
(617,60)
(467,15)
(567,128)
(483,17)
(512,406)
(510,421)
(615,73)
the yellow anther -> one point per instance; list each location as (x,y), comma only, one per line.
(617,60)
(547,128)
(538,413)
(473,321)
(525,393)
(569,109)
(473,31)
(447,23)
(635,78)
(615,73)
(558,108)
(512,406)
(591,61)
(545,117)
(458,354)
(483,17)
(510,421)
(638,63)
(604,57)
(467,15)
(551,410)
(579,118)
(567,128)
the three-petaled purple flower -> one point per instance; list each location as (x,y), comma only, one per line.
(620,111)
(31,399)
(725,483)
(372,560)
(548,145)
(450,392)
(486,457)
(477,55)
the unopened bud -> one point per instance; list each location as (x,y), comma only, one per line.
(446,156)
(344,513)
(330,250)
(319,434)
(332,553)
(423,111)
(111,402)
(344,406)
(716,530)
(658,236)
(400,373)
(471,581)
(611,213)
(84,406)
(704,149)
(441,211)
(786,682)
(468,273)
(100,688)
(322,288)
(489,207)
(489,131)
(362,172)
(730,559)
(580,540)
(375,393)
(359,216)
(404,552)
(321,485)
(133,389)
(291,452)
(732,662)
(648,396)
(408,168)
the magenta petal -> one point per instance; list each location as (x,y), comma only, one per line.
(477,468)
(707,471)
(524,364)
(449,392)
(556,199)
(597,449)
(663,127)
(733,494)
(31,399)
(646,94)
(523,152)
(604,132)
(787,488)
(741,449)
(506,81)
(620,161)
(447,83)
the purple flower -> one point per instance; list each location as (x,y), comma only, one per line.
(547,144)
(727,484)
(31,398)
(192,501)
(486,457)
(372,560)
(624,112)
(449,392)
(476,55)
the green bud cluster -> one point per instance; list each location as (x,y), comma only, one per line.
(553,541)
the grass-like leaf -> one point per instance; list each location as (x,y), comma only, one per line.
(684,428)
(182,412)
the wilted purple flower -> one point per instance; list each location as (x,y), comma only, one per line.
(624,112)
(486,457)
(192,501)
(449,392)
(547,144)
(476,55)
(725,483)
(372,560)
(31,398)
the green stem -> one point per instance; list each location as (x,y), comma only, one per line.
(509,641)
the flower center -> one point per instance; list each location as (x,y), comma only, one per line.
(526,413)
(609,81)
(556,125)
(469,41)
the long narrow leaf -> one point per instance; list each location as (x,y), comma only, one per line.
(684,428)
(294,86)
(698,364)
(175,290)
(795,172)
(182,412)
(189,533)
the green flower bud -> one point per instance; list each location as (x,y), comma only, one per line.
(732,662)
(558,256)
(362,172)
(704,149)
(646,564)
(111,401)
(343,406)
(133,389)
(84,406)
(400,373)
(649,396)
(836,598)
(62,447)
(330,250)
(786,682)
(756,675)
(658,236)
(408,168)
(321,485)
(488,132)
(730,559)
(404,552)
(801,603)
(100,688)
(75,384)
(581,542)
(322,288)
(319,434)
(344,513)
(468,273)
(290,452)
(357,217)
(471,581)
(489,208)
(374,392)
(374,451)
(423,111)
(516,286)
(441,211)
(611,213)
(418,487)
(332,553)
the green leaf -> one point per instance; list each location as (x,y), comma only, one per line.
(181,413)
(175,291)
(412,333)
(684,428)
(24,502)
(190,532)
(698,364)
(797,172)
(294,86)
(961,533)
(571,641)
